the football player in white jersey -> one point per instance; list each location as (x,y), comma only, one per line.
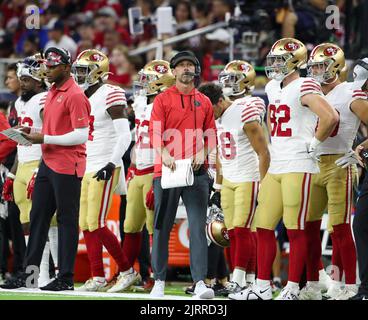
(333,186)
(244,159)
(294,105)
(154,78)
(109,138)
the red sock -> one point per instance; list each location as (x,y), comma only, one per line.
(336,259)
(266,252)
(132,246)
(297,255)
(252,263)
(346,249)
(312,230)
(112,245)
(232,247)
(94,251)
(243,247)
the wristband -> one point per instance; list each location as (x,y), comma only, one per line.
(314,143)
(217,186)
(10,175)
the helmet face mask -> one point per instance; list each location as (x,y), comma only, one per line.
(237,78)
(277,66)
(216,230)
(154,78)
(326,63)
(90,67)
(32,67)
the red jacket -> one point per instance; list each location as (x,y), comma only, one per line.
(6,145)
(174,117)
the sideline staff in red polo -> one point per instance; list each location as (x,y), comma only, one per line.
(58,182)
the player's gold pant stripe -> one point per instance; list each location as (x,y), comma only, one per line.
(105,202)
(252,211)
(349,195)
(305,199)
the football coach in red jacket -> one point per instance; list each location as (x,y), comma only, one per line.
(182,126)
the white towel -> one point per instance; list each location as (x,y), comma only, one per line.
(181,177)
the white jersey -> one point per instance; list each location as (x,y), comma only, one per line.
(144,154)
(238,159)
(342,138)
(102,137)
(29,116)
(292,126)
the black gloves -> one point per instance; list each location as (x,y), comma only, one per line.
(215,199)
(105,173)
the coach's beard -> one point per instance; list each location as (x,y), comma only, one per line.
(186,78)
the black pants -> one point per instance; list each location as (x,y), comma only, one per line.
(360,227)
(144,257)
(4,245)
(17,237)
(217,267)
(60,193)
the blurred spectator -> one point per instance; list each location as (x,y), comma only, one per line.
(111,40)
(219,9)
(106,21)
(86,34)
(6,46)
(95,5)
(31,45)
(215,51)
(200,11)
(122,67)
(11,80)
(11,9)
(183,17)
(61,40)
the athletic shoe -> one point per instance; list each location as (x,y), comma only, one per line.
(158,290)
(325,281)
(288,293)
(333,291)
(44,281)
(276,286)
(233,287)
(201,291)
(148,284)
(58,285)
(312,291)
(93,285)
(15,282)
(360,296)
(110,283)
(347,293)
(125,280)
(190,290)
(253,292)
(220,290)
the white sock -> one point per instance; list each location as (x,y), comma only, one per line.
(239,277)
(351,287)
(323,274)
(26,237)
(130,270)
(99,279)
(293,285)
(335,284)
(53,237)
(263,283)
(251,277)
(44,266)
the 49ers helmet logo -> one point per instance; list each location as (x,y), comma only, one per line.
(160,68)
(96,57)
(291,46)
(330,51)
(243,67)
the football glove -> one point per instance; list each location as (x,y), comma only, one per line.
(105,173)
(150,199)
(215,199)
(30,185)
(8,187)
(312,150)
(347,160)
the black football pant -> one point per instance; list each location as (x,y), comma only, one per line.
(61,193)
(217,267)
(360,228)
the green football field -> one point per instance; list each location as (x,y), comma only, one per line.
(173,291)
